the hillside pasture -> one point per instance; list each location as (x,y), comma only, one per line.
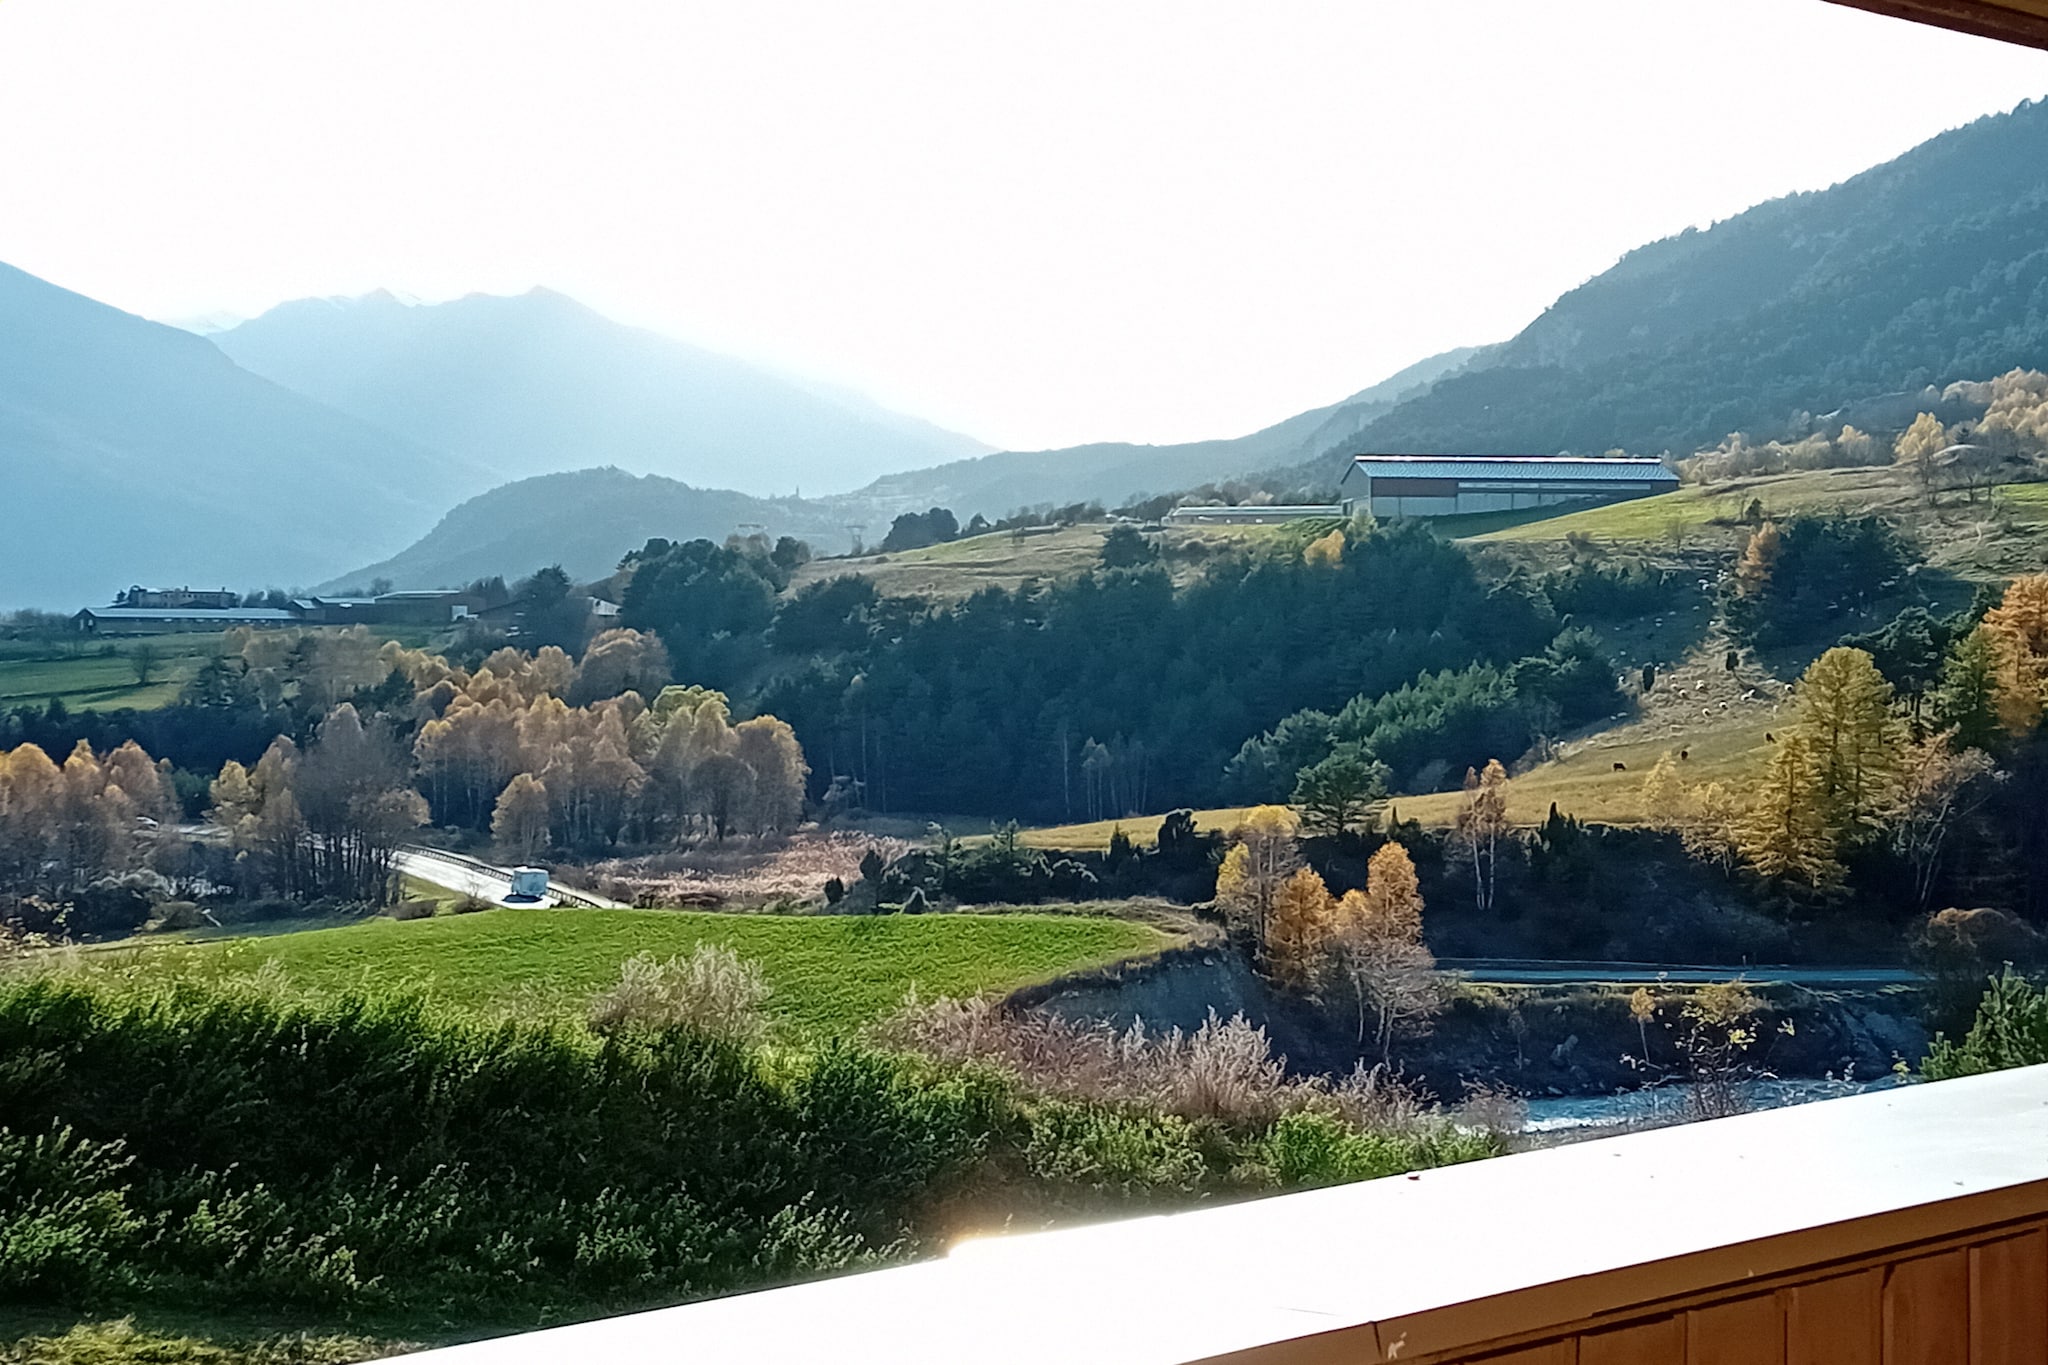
(99,675)
(831,974)
(1995,534)
(1009,559)
(961,568)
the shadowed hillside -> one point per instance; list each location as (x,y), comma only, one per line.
(141,453)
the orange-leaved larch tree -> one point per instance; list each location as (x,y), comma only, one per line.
(1380,952)
(1784,834)
(1299,929)
(1266,853)
(2018,631)
(1845,713)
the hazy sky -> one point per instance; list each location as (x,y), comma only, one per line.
(1038,222)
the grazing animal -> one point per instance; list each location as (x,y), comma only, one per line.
(1684,754)
(1770,738)
(1621,767)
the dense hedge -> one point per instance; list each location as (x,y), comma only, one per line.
(216,1145)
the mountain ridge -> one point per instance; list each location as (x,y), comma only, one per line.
(133,434)
(539,383)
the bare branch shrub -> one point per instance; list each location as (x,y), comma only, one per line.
(1226,1070)
(714,991)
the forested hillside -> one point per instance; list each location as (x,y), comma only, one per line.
(1929,269)
(585,520)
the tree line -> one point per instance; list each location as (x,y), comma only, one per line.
(1114,692)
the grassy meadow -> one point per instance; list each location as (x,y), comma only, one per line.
(831,974)
(1004,559)
(2001,532)
(99,675)
(92,674)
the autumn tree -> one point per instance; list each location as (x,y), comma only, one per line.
(520,821)
(353,787)
(1939,785)
(1299,932)
(1265,855)
(1759,561)
(621,661)
(1847,719)
(2018,634)
(1482,822)
(1917,446)
(1325,552)
(1784,833)
(63,827)
(1379,951)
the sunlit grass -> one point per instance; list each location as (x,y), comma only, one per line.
(831,974)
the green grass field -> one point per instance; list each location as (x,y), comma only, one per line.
(2027,502)
(86,678)
(831,974)
(1999,533)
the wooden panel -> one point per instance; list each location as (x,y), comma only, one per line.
(2012,21)
(1927,1310)
(1836,1322)
(1650,1343)
(1747,1331)
(2009,1301)
(1552,1353)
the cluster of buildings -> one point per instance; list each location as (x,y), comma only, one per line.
(168,611)
(1392,486)
(164,611)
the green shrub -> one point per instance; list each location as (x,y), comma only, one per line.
(1309,1149)
(65,1221)
(2011,1029)
(122,1343)
(1126,1151)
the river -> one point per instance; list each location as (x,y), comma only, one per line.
(1668,1103)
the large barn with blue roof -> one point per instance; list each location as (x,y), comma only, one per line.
(1455,485)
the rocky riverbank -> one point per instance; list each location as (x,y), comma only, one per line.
(1538,1041)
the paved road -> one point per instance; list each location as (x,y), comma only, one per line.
(471,877)
(1527,972)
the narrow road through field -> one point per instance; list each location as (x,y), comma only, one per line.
(1539,972)
(470,877)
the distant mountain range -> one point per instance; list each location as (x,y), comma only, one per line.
(136,453)
(539,384)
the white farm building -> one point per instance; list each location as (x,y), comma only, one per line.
(1454,485)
